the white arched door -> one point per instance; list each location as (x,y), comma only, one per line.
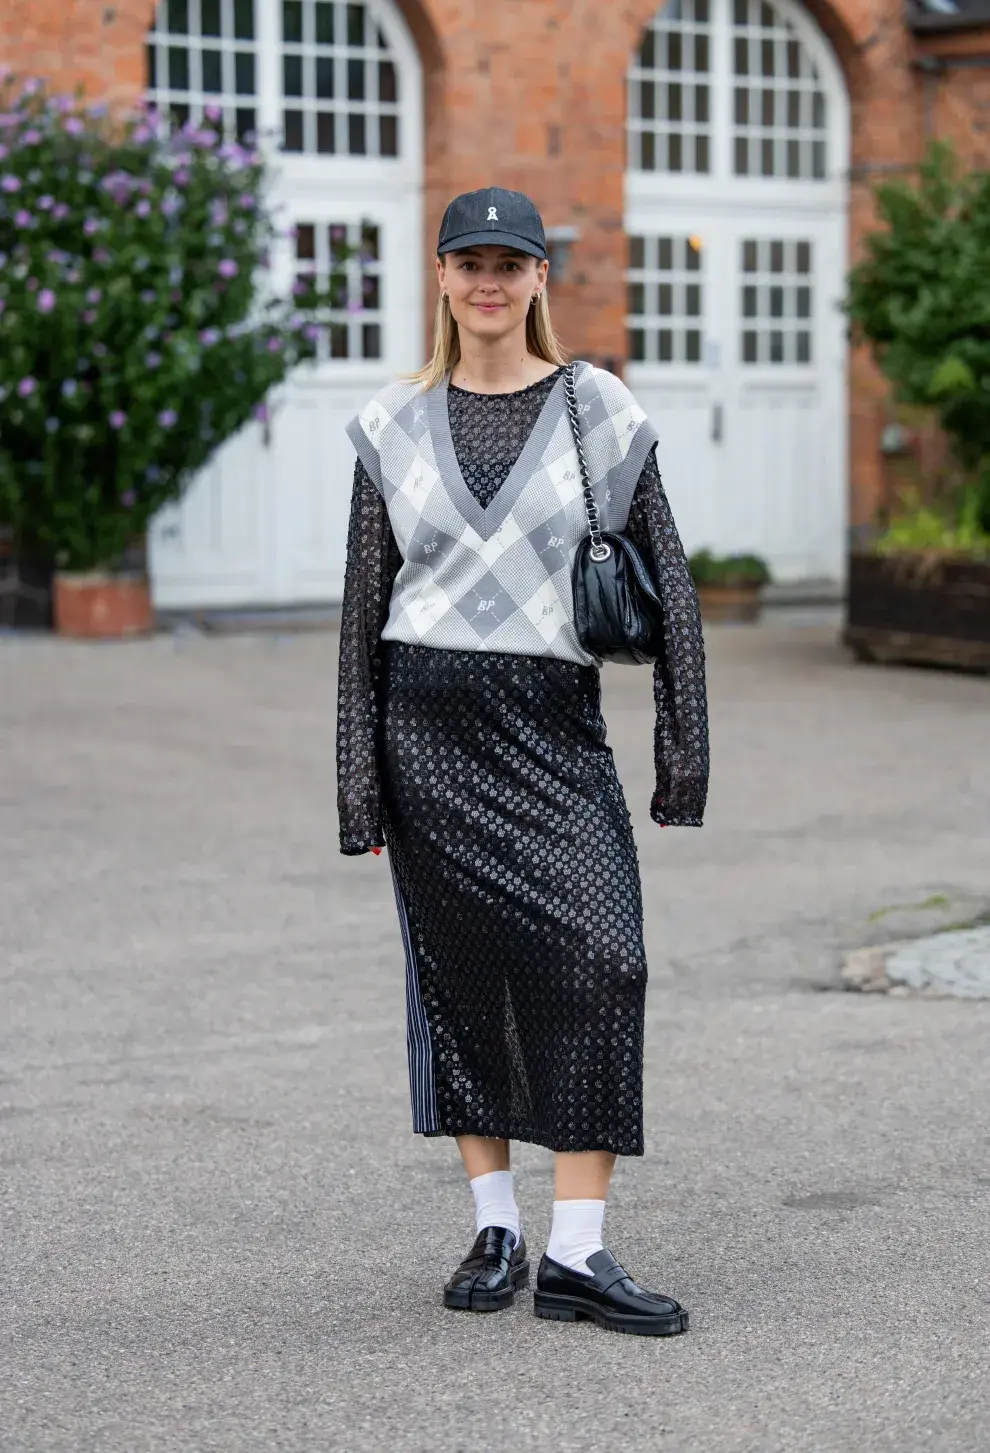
(736,203)
(333,90)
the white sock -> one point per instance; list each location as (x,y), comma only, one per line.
(494,1201)
(576,1233)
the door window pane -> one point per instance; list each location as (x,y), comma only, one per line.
(665,285)
(669,128)
(775,301)
(779,124)
(342,263)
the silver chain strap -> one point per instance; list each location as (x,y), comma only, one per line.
(599,549)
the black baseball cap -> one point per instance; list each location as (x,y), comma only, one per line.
(492,217)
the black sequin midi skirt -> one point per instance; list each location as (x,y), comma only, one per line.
(519,899)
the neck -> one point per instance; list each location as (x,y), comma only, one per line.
(498,365)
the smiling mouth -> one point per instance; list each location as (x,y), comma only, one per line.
(489,307)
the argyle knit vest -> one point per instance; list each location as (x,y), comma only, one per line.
(497,579)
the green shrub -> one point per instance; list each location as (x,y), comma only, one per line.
(134,335)
(728,570)
(921,297)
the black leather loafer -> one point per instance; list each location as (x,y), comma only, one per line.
(487,1278)
(609,1297)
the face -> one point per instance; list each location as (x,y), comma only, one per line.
(490,288)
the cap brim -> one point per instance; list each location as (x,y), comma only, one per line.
(492,239)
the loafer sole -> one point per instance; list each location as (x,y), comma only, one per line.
(559,1308)
(476,1299)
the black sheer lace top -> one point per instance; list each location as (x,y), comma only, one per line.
(489,432)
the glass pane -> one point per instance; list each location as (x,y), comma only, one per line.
(355,24)
(675,102)
(371,292)
(180,115)
(306,242)
(647,100)
(324,77)
(244,73)
(692,346)
(701,103)
(818,160)
(739,12)
(636,252)
(804,257)
(292,75)
(648,152)
(338,290)
(693,254)
(637,345)
(803,347)
(369,242)
(151,67)
(356,139)
(389,136)
(665,345)
(794,59)
(371,340)
(776,347)
(803,302)
(292,24)
(178,68)
(338,242)
(246,125)
(388,89)
(292,126)
(749,347)
(766,108)
(702,161)
(766,157)
(818,111)
(665,299)
(244,19)
(355,80)
(741,105)
(776,302)
(741,57)
(324,22)
(647,51)
(701,11)
(338,340)
(178,17)
(693,300)
(636,300)
(701,53)
(675,152)
(776,257)
(665,250)
(741,157)
(749,257)
(766,57)
(326,133)
(212,72)
(793,158)
(210,17)
(749,301)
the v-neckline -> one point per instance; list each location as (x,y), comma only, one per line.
(485,522)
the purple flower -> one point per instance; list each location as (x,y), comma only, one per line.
(60,212)
(143,208)
(70,388)
(26,387)
(32,285)
(46,301)
(46,203)
(311,332)
(355,306)
(148,296)
(209,336)
(101,255)
(228,268)
(181,177)
(94,295)
(31,137)
(71,275)
(261,414)
(142,134)
(51,426)
(170,206)
(4,151)
(212,112)
(89,317)
(100,349)
(32,86)
(91,226)
(152,360)
(117,419)
(128,499)
(168,418)
(99,108)
(74,125)
(23,219)
(10,183)
(247,201)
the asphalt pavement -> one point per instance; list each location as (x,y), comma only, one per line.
(218,1232)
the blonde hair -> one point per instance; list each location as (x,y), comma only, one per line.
(541,340)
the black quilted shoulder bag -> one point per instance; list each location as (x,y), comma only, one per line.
(617,610)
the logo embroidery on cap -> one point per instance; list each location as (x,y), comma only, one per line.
(492,214)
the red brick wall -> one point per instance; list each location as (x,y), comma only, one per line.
(531,93)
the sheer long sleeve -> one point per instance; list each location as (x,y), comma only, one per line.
(681,736)
(373,561)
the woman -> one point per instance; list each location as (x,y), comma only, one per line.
(471,743)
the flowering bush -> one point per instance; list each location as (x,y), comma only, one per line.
(133,335)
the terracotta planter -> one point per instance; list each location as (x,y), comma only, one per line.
(730,603)
(98,606)
(930,610)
